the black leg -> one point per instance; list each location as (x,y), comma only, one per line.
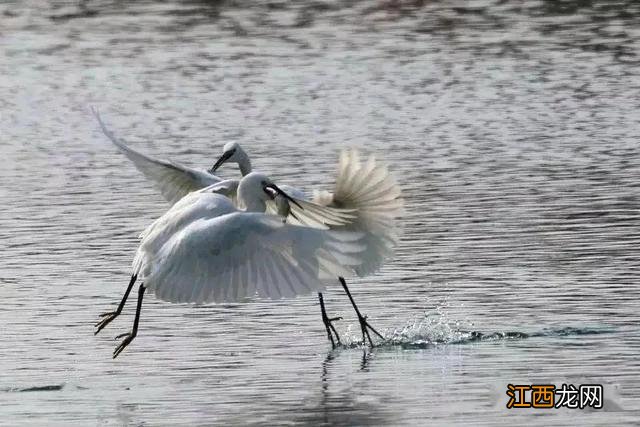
(364,325)
(129,336)
(328,322)
(109,316)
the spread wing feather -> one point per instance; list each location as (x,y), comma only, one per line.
(314,215)
(368,191)
(172,179)
(240,255)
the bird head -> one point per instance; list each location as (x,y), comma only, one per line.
(231,152)
(258,188)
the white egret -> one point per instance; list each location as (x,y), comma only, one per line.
(367,190)
(204,249)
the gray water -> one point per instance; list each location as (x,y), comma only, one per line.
(513,128)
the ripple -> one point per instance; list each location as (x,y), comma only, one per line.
(54,387)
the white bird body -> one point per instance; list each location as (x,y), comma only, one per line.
(224,241)
(206,250)
(365,198)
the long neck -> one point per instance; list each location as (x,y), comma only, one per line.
(245,165)
(254,205)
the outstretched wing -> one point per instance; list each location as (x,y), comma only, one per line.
(314,215)
(241,255)
(304,212)
(371,192)
(172,179)
(196,205)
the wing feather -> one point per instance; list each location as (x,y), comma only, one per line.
(251,278)
(263,277)
(311,214)
(287,286)
(244,280)
(371,193)
(272,286)
(223,258)
(238,288)
(172,179)
(302,273)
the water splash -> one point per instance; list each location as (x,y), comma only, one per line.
(438,328)
(430,329)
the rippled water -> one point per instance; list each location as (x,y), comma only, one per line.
(513,127)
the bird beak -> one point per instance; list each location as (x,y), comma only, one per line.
(283,194)
(225,156)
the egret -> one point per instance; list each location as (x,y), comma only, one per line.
(369,192)
(204,249)
(366,189)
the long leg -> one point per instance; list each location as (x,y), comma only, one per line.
(109,316)
(328,322)
(129,336)
(364,325)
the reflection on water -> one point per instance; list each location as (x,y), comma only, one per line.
(512,127)
(336,405)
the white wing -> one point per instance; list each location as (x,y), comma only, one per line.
(241,255)
(318,216)
(195,205)
(172,179)
(192,207)
(228,188)
(203,203)
(370,192)
(366,198)
(304,212)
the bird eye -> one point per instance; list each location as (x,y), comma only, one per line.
(270,192)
